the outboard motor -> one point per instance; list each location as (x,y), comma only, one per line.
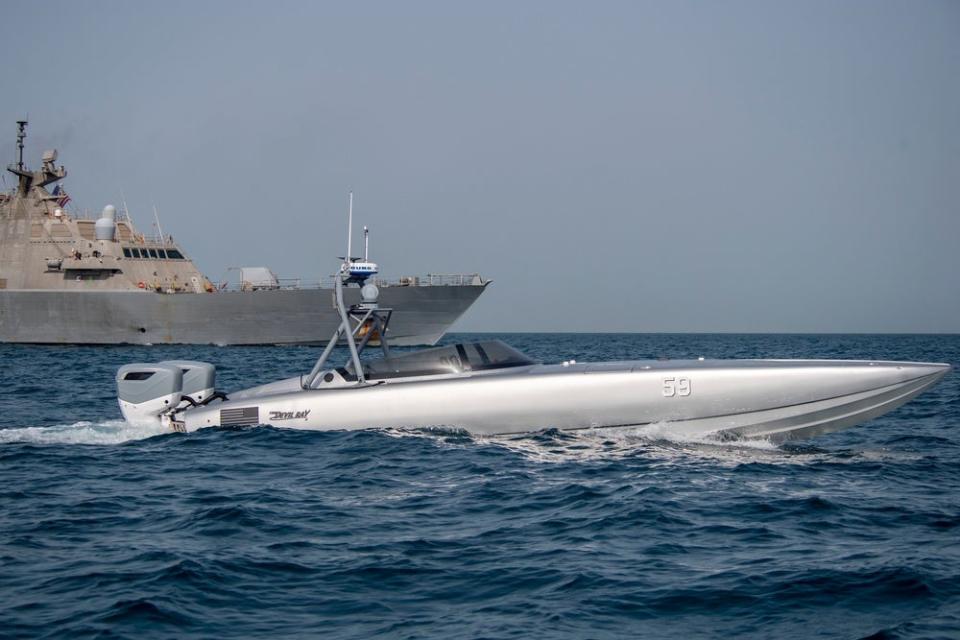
(199,379)
(147,390)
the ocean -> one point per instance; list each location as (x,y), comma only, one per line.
(110,531)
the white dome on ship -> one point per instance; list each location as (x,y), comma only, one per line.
(106,227)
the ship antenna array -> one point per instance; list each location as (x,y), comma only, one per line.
(21,134)
(126,211)
(350,231)
(156,217)
(359,322)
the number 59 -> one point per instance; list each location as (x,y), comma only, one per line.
(673,387)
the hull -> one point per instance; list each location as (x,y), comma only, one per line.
(422,314)
(774,400)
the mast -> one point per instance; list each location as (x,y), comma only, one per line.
(126,211)
(350,230)
(358,321)
(48,172)
(156,217)
(21,134)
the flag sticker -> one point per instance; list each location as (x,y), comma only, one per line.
(239,417)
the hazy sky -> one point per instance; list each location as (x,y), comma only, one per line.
(668,166)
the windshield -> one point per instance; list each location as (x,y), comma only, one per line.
(455,358)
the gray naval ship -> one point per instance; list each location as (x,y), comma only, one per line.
(67,278)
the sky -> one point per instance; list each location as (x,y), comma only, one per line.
(611,166)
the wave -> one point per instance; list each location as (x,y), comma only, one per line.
(661,440)
(658,442)
(106,432)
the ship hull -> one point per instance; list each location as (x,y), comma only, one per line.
(775,400)
(422,314)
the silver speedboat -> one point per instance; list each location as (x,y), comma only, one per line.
(490,388)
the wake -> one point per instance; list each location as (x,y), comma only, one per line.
(103,433)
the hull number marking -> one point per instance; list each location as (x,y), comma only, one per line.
(676,387)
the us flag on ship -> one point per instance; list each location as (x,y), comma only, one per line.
(61,195)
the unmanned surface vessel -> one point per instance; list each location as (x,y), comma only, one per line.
(489,388)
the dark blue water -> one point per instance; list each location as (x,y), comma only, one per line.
(110,531)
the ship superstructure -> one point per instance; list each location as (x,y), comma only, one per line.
(69,278)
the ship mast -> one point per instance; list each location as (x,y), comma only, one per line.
(25,178)
(48,172)
(350,232)
(21,134)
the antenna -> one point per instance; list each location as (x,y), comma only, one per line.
(156,217)
(21,134)
(350,230)
(126,211)
(366,243)
(163,243)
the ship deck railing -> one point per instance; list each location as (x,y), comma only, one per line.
(428,280)
(153,240)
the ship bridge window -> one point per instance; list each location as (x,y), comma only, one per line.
(127,253)
(161,254)
(173,254)
(153,253)
(456,358)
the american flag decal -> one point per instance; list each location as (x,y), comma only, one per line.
(239,417)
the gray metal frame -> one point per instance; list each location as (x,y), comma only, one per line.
(361,314)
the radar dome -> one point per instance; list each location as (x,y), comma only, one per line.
(369,293)
(106,228)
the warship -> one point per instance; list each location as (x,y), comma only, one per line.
(67,278)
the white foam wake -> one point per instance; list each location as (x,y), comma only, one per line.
(662,440)
(658,441)
(105,432)
(669,432)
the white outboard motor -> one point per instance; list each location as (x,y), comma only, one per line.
(199,379)
(148,390)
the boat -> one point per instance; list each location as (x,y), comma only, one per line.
(489,388)
(71,278)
